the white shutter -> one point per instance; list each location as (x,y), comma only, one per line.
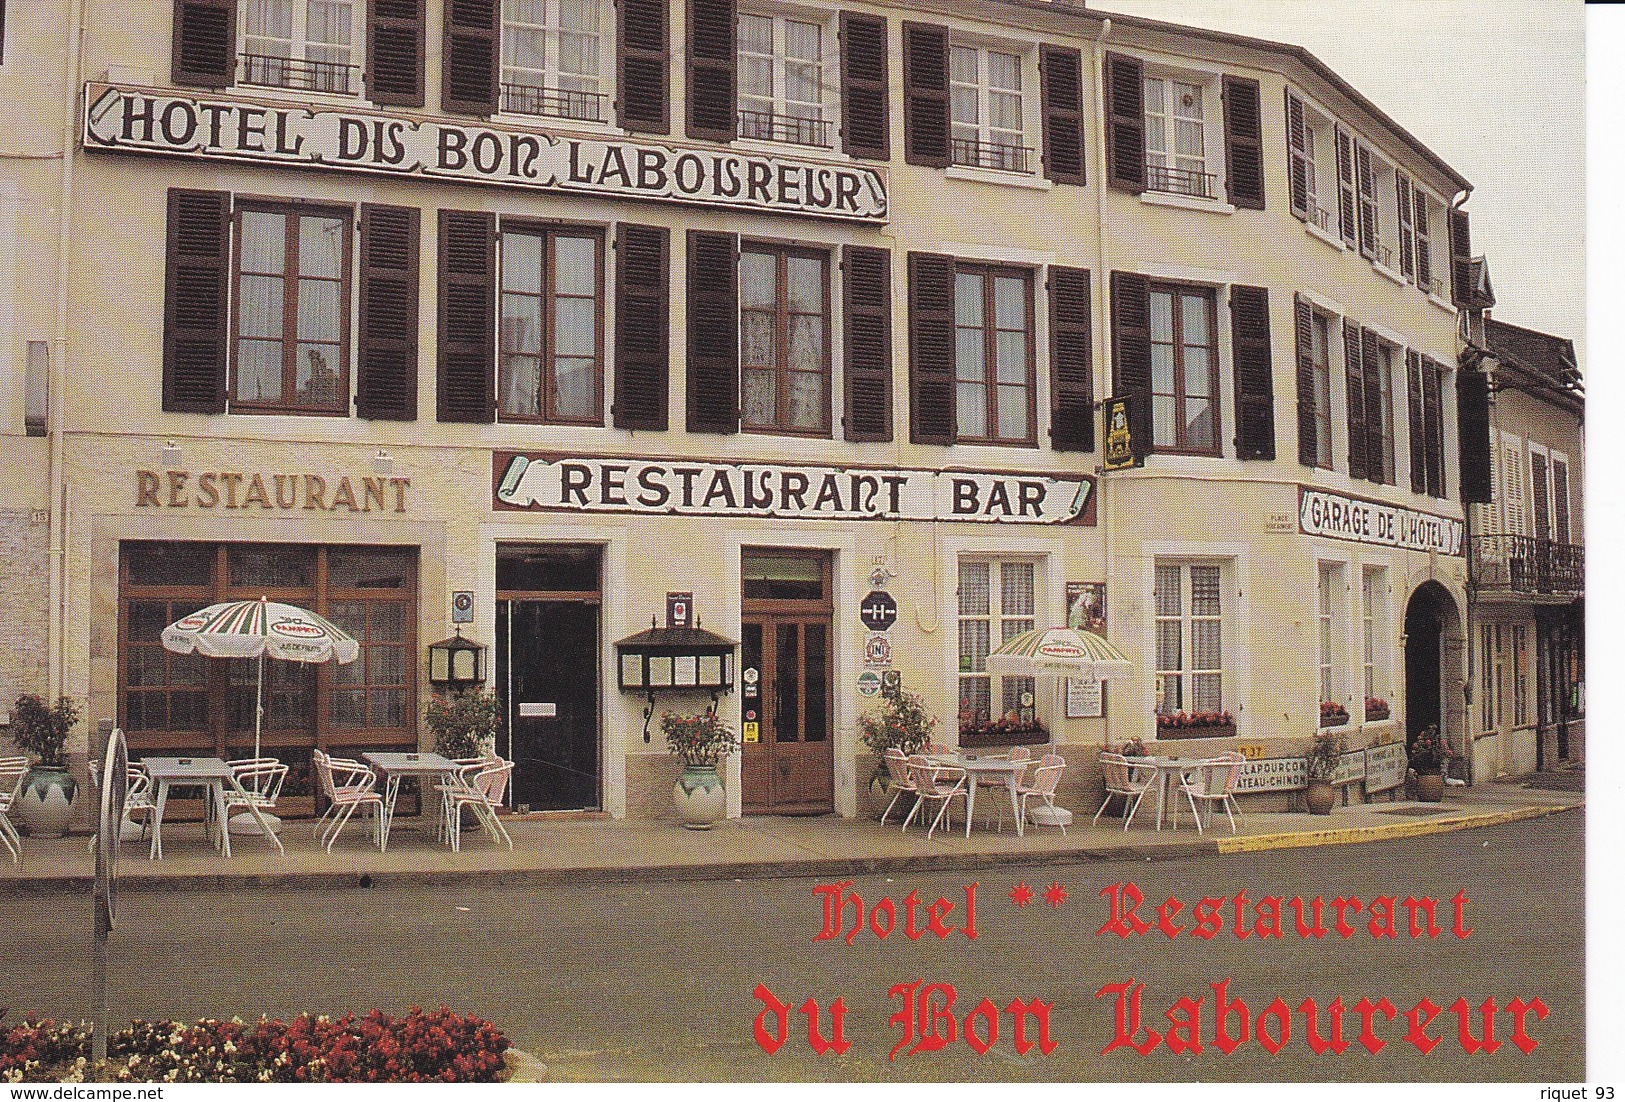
(1513,518)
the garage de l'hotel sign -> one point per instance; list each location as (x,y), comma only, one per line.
(135,120)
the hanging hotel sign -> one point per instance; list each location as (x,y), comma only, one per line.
(1358,520)
(660,487)
(1121,451)
(131,120)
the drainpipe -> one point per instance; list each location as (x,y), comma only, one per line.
(1100,319)
(56,630)
(1464,334)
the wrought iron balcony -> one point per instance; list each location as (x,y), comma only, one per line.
(1525,566)
(560,103)
(1179,181)
(770,127)
(980,154)
(270,71)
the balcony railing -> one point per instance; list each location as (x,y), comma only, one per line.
(528,99)
(980,154)
(770,127)
(1320,216)
(1179,181)
(1385,255)
(270,71)
(1504,563)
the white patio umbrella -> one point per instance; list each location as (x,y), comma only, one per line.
(1065,652)
(255,629)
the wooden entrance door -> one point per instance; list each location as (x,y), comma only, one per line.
(790,767)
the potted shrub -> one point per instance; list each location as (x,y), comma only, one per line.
(466,725)
(903,723)
(1430,756)
(1325,750)
(702,741)
(45,805)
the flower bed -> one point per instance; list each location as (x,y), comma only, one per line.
(421,1047)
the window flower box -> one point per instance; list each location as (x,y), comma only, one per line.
(1002,732)
(1376,710)
(1196,725)
(1333,714)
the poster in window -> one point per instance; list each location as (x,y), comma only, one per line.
(1086,607)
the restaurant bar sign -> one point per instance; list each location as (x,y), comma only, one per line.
(1340,517)
(134,120)
(700,488)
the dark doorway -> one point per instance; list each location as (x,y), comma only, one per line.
(788,761)
(547,674)
(1424,660)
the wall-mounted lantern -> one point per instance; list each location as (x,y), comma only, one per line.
(457,662)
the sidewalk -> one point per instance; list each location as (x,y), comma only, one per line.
(575,851)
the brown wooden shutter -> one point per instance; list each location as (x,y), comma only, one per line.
(866,341)
(387,334)
(204,43)
(1461,259)
(643,66)
(1131,353)
(925,95)
(1473,435)
(469,62)
(865,89)
(1308,422)
(1424,246)
(1348,211)
(1433,425)
(1560,499)
(196,331)
(466,361)
(932,410)
(1071,361)
(1125,123)
(712,97)
(1407,235)
(642,327)
(1243,142)
(1297,153)
(713,332)
(1542,503)
(1418,434)
(1060,83)
(1376,460)
(395,34)
(1367,180)
(1354,384)
(1253,372)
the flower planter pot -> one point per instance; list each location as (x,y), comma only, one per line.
(45,805)
(1320,797)
(699,797)
(1211,730)
(1430,787)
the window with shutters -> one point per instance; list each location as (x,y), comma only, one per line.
(1329,598)
(994,367)
(551,362)
(1177,142)
(1509,486)
(1487,677)
(1184,370)
(552,54)
(309,45)
(1374,631)
(997,601)
(987,111)
(1379,413)
(784,345)
(1318,156)
(784,83)
(1320,352)
(290,352)
(1520,675)
(1190,637)
(1384,178)
(1560,498)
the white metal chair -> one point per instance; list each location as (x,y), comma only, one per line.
(901,782)
(138,803)
(1127,779)
(998,785)
(348,785)
(12,772)
(937,784)
(459,781)
(1045,779)
(483,794)
(1213,782)
(260,780)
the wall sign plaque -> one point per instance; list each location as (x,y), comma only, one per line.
(218,127)
(1359,520)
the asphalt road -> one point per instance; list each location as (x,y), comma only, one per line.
(656,981)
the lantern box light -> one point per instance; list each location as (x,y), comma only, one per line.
(457,662)
(675,659)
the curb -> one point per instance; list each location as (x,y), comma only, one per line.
(776,870)
(522,1067)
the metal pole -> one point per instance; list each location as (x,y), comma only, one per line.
(103,921)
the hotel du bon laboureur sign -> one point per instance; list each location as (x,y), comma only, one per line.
(710,488)
(136,120)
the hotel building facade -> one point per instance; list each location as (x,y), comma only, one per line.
(572,305)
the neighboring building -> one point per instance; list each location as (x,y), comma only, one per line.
(573,305)
(1526,556)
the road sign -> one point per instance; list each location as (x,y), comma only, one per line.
(878,610)
(869,683)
